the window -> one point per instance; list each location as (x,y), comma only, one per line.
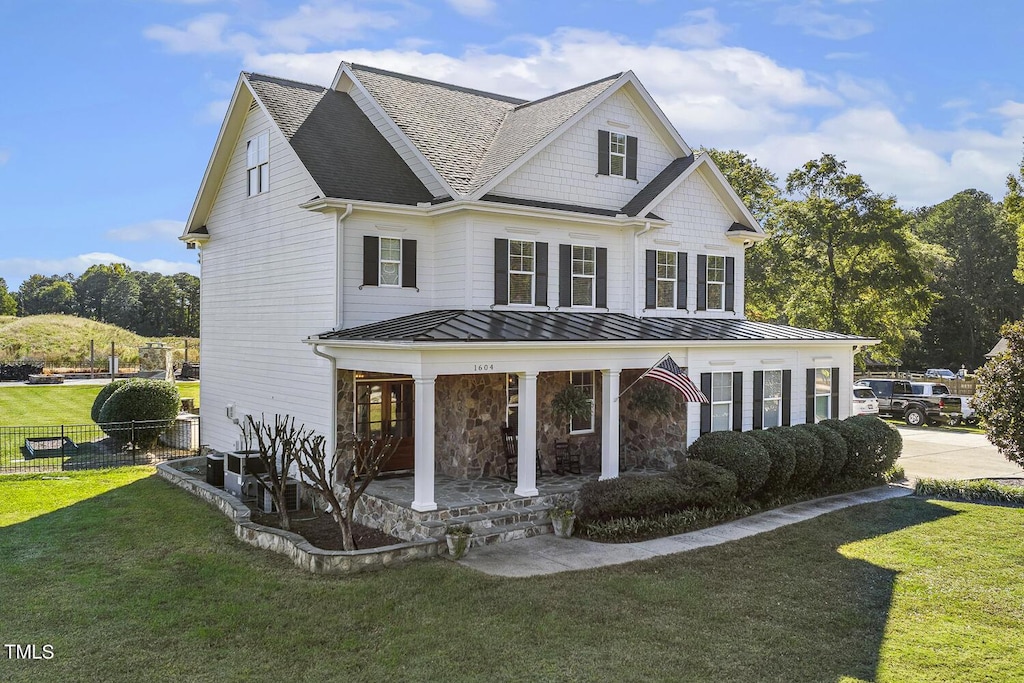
(617,154)
(721,401)
(771,399)
(584,267)
(716,283)
(512,400)
(822,394)
(666,277)
(257,157)
(390,261)
(584,380)
(521,269)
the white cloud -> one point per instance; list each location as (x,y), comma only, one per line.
(473,8)
(321,22)
(1010,109)
(204,34)
(162,230)
(17,270)
(813,21)
(700,28)
(213,112)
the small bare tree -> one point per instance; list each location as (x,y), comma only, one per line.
(279,444)
(354,464)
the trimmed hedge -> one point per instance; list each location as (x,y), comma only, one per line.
(872,446)
(140,400)
(979,490)
(630,497)
(101,398)
(783,461)
(738,453)
(833,452)
(807,451)
(708,485)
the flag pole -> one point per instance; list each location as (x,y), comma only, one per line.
(643,375)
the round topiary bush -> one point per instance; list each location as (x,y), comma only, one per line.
(872,446)
(101,398)
(783,461)
(833,452)
(708,485)
(738,453)
(808,453)
(601,501)
(152,401)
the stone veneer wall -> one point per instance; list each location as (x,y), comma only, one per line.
(469,412)
(346,401)
(649,439)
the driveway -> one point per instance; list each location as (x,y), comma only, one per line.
(938,453)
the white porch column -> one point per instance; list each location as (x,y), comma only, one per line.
(527,473)
(423,498)
(609,424)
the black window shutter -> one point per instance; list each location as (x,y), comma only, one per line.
(737,401)
(787,390)
(602,152)
(730,283)
(565,275)
(631,149)
(500,271)
(651,298)
(702,282)
(810,396)
(705,408)
(835,393)
(681,275)
(758,403)
(601,281)
(371,260)
(409,263)
(540,296)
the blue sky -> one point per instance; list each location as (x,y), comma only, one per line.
(110,109)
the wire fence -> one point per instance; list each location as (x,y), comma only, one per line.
(92,446)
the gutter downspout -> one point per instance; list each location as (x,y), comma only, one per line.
(637,310)
(332,433)
(339,268)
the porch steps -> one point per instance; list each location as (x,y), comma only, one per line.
(497,525)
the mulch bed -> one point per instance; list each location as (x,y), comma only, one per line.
(322,531)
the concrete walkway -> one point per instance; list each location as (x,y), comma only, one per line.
(548,554)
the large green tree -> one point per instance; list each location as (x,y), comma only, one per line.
(41,294)
(1013,211)
(8,304)
(1000,396)
(975,283)
(857,267)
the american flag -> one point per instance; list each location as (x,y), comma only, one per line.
(671,374)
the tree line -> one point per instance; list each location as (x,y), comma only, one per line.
(934,284)
(149,304)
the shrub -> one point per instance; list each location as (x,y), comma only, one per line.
(140,400)
(738,453)
(708,485)
(630,497)
(872,446)
(977,490)
(833,452)
(807,450)
(783,460)
(101,398)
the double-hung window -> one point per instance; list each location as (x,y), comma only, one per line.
(721,401)
(666,277)
(822,394)
(617,154)
(390,261)
(771,399)
(521,271)
(257,163)
(585,381)
(716,283)
(584,269)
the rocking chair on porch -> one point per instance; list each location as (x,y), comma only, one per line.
(510,439)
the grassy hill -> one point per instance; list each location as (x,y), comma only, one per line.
(65,339)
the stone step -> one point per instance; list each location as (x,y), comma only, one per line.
(509,532)
(483,521)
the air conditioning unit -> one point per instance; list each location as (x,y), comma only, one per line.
(292,495)
(241,486)
(245,462)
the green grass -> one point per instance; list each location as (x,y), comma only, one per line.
(57,404)
(131,579)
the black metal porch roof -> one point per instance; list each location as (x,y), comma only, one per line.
(563,326)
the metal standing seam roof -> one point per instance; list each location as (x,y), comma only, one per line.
(447,326)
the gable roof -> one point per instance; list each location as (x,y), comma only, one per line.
(658,185)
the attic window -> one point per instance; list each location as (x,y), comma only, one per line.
(616,154)
(257,158)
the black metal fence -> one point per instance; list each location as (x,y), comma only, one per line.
(92,446)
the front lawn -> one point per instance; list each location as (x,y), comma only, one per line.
(128,578)
(68,404)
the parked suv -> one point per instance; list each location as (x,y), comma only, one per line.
(939,373)
(864,400)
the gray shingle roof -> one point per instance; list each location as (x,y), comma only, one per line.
(469,136)
(562,326)
(343,151)
(661,181)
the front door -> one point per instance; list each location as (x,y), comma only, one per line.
(386,407)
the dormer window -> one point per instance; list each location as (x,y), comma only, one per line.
(616,154)
(257,162)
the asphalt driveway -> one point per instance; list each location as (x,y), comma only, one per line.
(942,453)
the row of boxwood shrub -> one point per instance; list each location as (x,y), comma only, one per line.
(737,471)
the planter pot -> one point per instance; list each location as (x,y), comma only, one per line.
(563,525)
(458,545)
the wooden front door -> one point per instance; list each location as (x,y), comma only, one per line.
(386,407)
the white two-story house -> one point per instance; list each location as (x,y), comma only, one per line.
(394,254)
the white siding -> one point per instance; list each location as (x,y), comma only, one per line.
(565,171)
(267,282)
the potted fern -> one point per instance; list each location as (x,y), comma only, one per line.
(571,402)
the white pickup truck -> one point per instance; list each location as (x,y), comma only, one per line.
(965,413)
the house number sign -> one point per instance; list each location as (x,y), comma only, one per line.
(483,367)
